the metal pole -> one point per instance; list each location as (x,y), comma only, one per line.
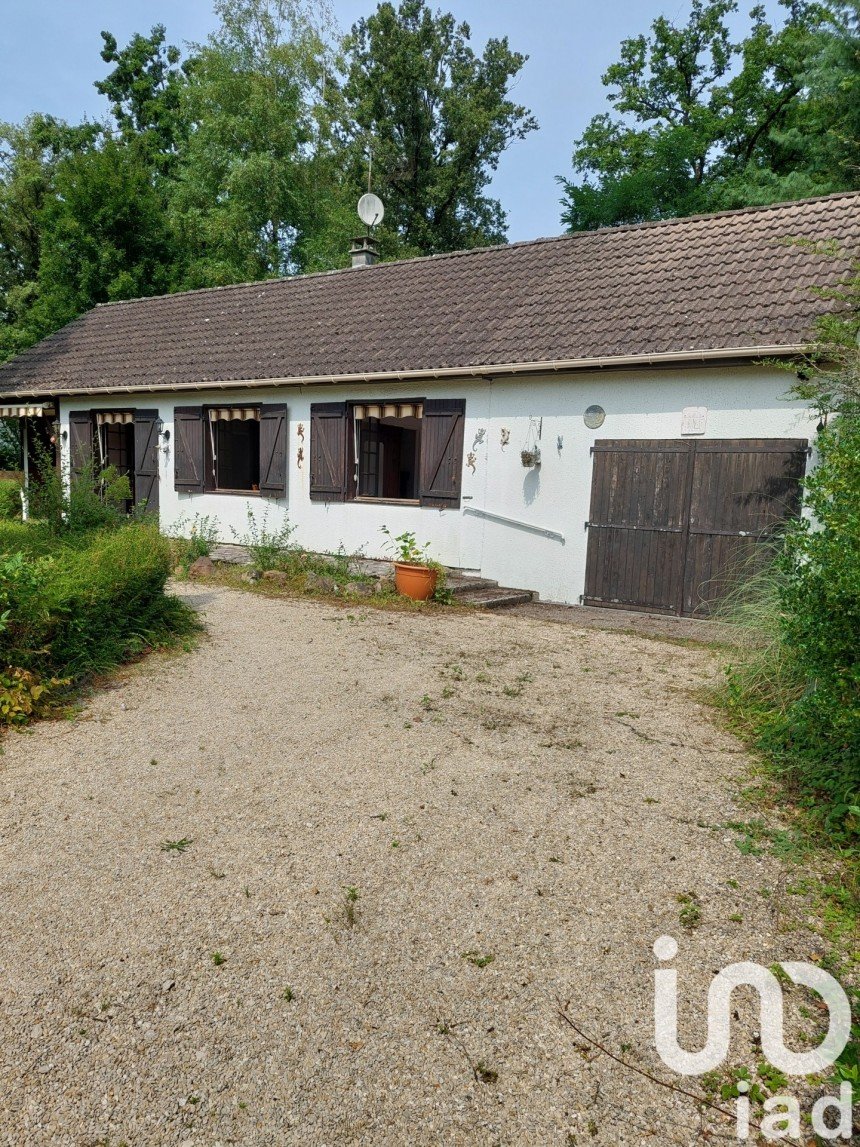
(26,448)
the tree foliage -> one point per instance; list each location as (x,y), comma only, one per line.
(436,118)
(702,121)
(245,159)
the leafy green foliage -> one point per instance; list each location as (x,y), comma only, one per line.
(806,715)
(244,160)
(193,540)
(270,547)
(10,499)
(71,608)
(703,122)
(25,696)
(405,547)
(437,118)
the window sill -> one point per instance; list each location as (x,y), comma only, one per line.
(235,493)
(388,501)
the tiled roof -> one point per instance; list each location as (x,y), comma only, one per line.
(697,286)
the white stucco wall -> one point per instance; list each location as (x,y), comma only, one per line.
(742,402)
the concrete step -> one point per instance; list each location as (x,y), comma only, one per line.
(232,555)
(495,597)
(460,584)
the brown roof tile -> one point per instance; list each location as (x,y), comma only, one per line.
(698,285)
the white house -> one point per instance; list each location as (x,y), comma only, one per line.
(600,417)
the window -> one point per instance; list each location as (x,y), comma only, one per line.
(387,449)
(115,442)
(234,448)
(405,451)
(230,449)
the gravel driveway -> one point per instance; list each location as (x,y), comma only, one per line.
(398,840)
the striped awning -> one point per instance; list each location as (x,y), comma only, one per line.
(114,418)
(27,412)
(388,410)
(234,413)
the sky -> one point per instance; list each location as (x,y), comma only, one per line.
(49,60)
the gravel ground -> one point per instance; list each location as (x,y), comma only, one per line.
(517,806)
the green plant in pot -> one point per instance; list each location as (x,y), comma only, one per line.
(415,574)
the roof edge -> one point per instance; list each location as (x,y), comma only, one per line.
(489,371)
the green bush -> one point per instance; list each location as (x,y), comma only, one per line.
(10,500)
(269,548)
(93,499)
(85,607)
(797,684)
(818,735)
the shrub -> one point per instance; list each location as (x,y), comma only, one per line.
(10,500)
(88,606)
(93,499)
(24,695)
(801,694)
(818,734)
(270,549)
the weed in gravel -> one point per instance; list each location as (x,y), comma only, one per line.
(176,845)
(579,788)
(215,872)
(447,693)
(288,994)
(479,960)
(218,959)
(484,1073)
(736,918)
(349,906)
(690,915)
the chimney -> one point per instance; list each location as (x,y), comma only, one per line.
(363,252)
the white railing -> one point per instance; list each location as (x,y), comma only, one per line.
(516,522)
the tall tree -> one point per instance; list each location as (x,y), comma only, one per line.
(436,119)
(30,155)
(702,122)
(144,90)
(241,202)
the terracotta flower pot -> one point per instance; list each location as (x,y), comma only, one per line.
(417,582)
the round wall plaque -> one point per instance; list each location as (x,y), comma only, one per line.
(594,417)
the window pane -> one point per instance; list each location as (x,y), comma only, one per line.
(388,457)
(237,454)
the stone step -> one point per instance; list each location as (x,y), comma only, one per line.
(496,597)
(232,555)
(460,584)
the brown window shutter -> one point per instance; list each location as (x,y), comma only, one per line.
(273,450)
(80,441)
(146,460)
(328,451)
(188,449)
(441,470)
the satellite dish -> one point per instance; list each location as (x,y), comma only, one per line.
(370,209)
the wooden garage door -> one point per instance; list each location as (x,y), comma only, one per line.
(673,522)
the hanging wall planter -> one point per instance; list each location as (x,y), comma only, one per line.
(530,457)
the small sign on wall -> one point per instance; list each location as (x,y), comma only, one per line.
(694,419)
